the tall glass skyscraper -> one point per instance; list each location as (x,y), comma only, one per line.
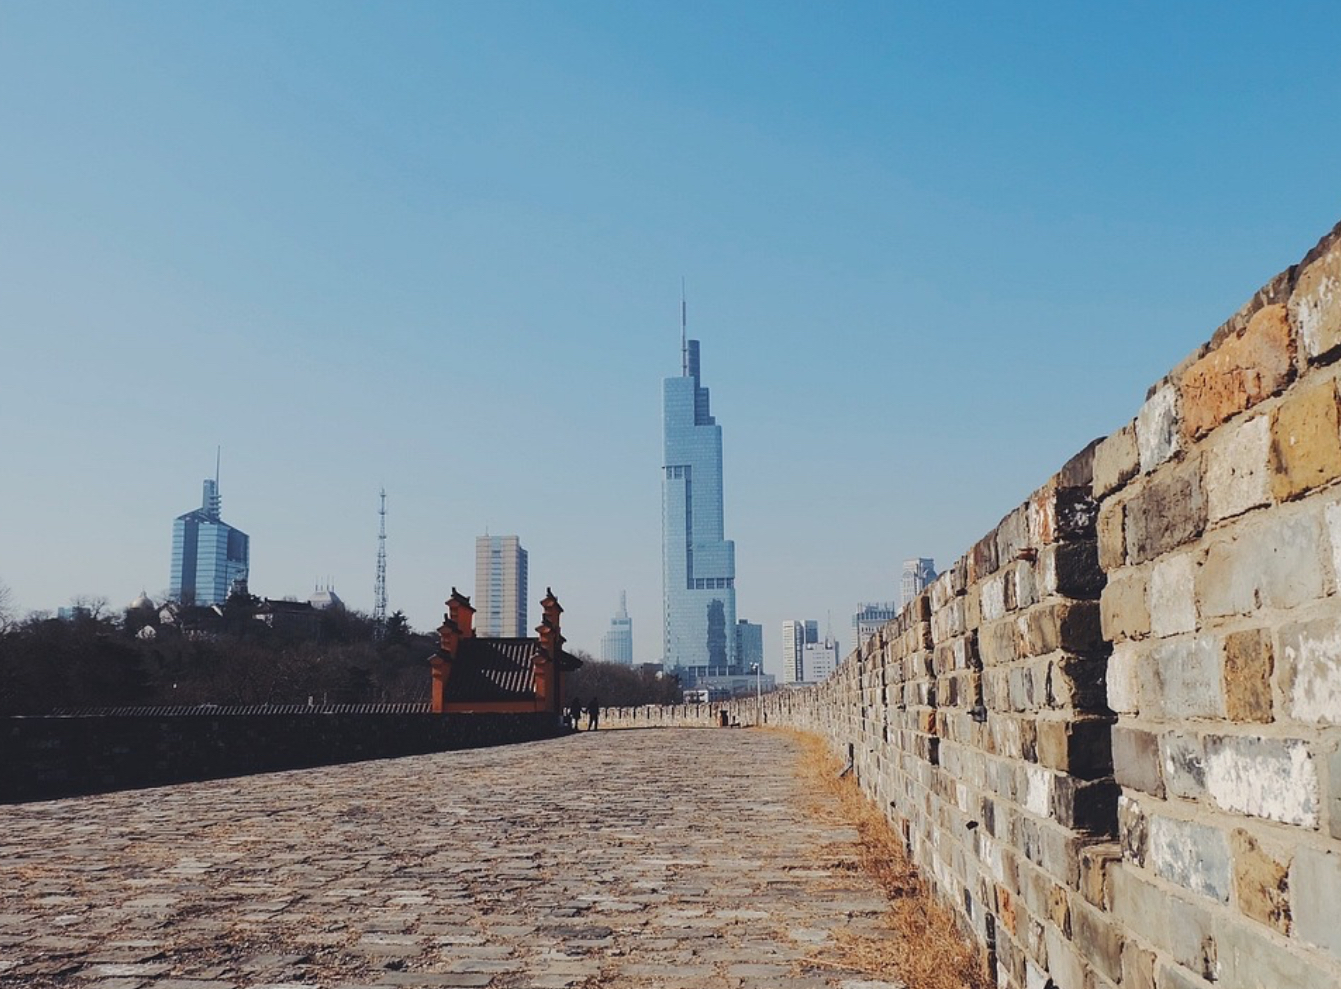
(209,556)
(698,562)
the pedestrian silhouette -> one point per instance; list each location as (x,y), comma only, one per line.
(575,714)
(593,714)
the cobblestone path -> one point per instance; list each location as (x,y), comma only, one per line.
(674,857)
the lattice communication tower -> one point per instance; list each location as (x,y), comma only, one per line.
(379,594)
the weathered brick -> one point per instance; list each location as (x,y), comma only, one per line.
(1305,441)
(1238,474)
(1315,898)
(1193,856)
(1250,960)
(1238,374)
(1125,669)
(1168,512)
(1136,762)
(1081,748)
(1115,461)
(1183,759)
(1098,938)
(998,643)
(1077,683)
(1261,880)
(1157,427)
(1264,777)
(1173,600)
(1186,680)
(1065,966)
(982,561)
(1172,924)
(1315,306)
(1070,625)
(1112,534)
(1310,670)
(1096,862)
(1273,564)
(1334,790)
(1072,569)
(1247,675)
(1138,967)
(1133,831)
(1123,608)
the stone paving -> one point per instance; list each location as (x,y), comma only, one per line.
(675,858)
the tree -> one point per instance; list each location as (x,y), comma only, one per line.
(6,608)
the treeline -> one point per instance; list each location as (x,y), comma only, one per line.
(240,654)
(207,657)
(617,685)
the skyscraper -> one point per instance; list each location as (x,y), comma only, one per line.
(749,644)
(617,642)
(917,574)
(869,617)
(698,562)
(806,657)
(795,635)
(500,587)
(209,557)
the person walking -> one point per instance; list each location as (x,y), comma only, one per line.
(593,714)
(575,713)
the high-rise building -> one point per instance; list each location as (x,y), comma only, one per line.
(209,556)
(821,659)
(698,561)
(869,618)
(749,644)
(795,635)
(917,574)
(500,587)
(617,642)
(806,657)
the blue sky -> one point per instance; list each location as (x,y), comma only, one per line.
(931,251)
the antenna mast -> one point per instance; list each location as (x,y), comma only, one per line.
(684,333)
(379,593)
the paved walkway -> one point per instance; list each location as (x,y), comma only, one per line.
(674,857)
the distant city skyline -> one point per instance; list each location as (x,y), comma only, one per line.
(263,226)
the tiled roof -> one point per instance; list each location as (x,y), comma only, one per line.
(493,670)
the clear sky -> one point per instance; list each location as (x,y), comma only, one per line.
(931,251)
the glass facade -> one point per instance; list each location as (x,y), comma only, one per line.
(209,556)
(698,562)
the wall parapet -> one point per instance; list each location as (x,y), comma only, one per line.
(1110,733)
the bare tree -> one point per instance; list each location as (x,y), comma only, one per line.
(6,608)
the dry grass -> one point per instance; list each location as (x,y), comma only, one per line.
(923,948)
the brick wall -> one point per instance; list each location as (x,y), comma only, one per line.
(1111,732)
(44,757)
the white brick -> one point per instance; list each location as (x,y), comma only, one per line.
(994,598)
(1172,596)
(1157,428)
(1195,856)
(1122,680)
(1271,778)
(1037,796)
(1237,476)
(1311,671)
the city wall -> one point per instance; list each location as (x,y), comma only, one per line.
(45,757)
(1110,733)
